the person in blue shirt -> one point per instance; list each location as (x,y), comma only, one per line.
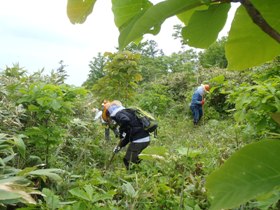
(198,101)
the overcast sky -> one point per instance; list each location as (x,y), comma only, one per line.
(38,34)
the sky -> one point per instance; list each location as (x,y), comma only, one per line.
(37,34)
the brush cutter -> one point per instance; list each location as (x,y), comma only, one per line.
(115,151)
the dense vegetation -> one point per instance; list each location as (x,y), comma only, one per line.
(54,156)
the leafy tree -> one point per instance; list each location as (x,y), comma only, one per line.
(41,108)
(177,34)
(152,63)
(156,99)
(13,72)
(122,76)
(177,84)
(182,61)
(60,73)
(214,56)
(96,70)
(255,100)
(153,68)
(148,48)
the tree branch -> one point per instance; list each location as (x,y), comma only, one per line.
(256,17)
(259,20)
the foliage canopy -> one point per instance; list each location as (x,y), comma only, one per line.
(253,38)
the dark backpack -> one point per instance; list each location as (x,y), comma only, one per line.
(148,122)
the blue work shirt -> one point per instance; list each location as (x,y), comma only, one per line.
(198,96)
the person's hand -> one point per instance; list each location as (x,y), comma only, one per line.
(117,149)
(203,101)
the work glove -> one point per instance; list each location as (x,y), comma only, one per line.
(202,102)
(116,149)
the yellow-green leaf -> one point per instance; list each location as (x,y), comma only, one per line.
(78,10)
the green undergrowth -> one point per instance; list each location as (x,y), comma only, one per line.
(173,170)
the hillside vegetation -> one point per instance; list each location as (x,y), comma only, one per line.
(55,156)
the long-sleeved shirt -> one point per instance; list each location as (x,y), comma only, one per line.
(130,128)
(198,96)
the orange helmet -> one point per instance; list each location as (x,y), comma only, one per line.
(105,113)
(206,88)
(105,102)
(106,105)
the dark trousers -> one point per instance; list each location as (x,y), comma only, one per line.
(132,152)
(197,113)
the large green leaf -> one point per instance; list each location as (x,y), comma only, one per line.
(126,10)
(80,193)
(186,16)
(129,190)
(52,173)
(149,21)
(5,195)
(52,200)
(250,172)
(204,25)
(18,141)
(14,190)
(247,44)
(78,10)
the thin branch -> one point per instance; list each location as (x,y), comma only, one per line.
(259,20)
(256,17)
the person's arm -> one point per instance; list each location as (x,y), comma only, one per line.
(125,128)
(124,141)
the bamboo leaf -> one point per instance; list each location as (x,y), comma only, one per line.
(129,190)
(5,196)
(11,193)
(50,173)
(18,140)
(2,162)
(7,159)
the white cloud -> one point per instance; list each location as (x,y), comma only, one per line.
(38,34)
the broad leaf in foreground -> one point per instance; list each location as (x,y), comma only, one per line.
(247,44)
(149,21)
(205,25)
(250,172)
(125,10)
(78,10)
